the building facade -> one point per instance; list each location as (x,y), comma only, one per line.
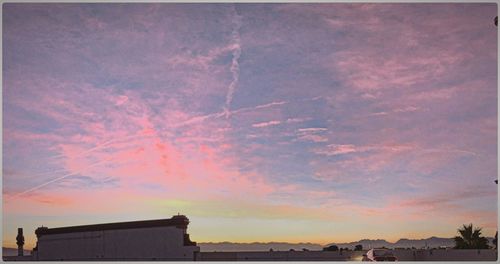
(164,239)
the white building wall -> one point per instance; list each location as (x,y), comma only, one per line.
(84,245)
(157,243)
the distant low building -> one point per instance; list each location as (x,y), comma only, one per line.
(164,239)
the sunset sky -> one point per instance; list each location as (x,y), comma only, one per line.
(260,122)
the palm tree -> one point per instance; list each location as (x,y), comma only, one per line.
(470,238)
(495,241)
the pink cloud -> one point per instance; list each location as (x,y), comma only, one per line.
(312,137)
(121,100)
(358,162)
(334,149)
(266,124)
(313,134)
(296,120)
(162,123)
(311,129)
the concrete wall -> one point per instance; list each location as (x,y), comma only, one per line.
(158,243)
(281,256)
(402,255)
(457,255)
(17,258)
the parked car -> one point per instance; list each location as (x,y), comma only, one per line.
(379,254)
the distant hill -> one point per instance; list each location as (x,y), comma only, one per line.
(13,252)
(257,246)
(431,242)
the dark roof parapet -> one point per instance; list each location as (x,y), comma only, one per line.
(179,221)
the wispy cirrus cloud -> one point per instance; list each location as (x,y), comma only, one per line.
(313,134)
(266,124)
(235,67)
(366,122)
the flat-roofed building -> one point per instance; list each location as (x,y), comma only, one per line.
(163,239)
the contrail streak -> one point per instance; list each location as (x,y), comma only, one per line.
(57,179)
(245,109)
(100,146)
(235,67)
(198,119)
(202,118)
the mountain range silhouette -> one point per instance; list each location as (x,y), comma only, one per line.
(431,242)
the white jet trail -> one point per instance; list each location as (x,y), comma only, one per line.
(198,119)
(102,145)
(235,67)
(56,179)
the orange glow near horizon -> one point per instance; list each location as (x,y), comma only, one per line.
(260,122)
